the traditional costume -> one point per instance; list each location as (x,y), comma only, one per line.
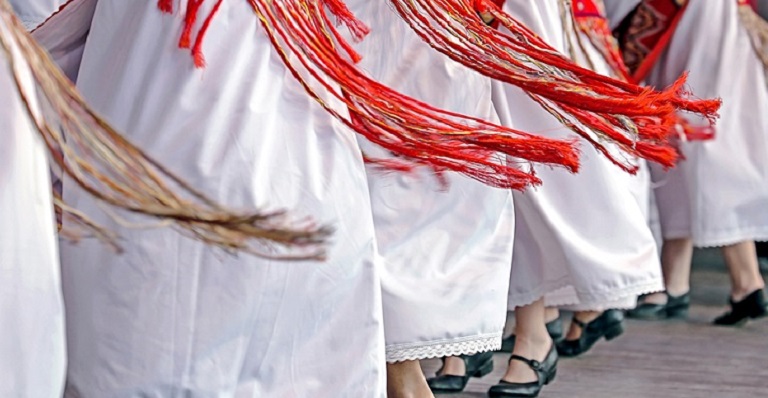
(172,316)
(445,242)
(39,109)
(581,241)
(718,195)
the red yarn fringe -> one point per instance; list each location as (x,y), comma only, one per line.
(419,134)
(601,109)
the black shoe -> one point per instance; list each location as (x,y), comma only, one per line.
(545,373)
(675,308)
(554,328)
(477,365)
(610,324)
(753,306)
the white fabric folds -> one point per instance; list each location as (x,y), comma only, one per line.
(719,194)
(32,349)
(445,251)
(173,317)
(581,240)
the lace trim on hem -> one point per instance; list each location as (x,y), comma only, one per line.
(585,301)
(602,302)
(444,348)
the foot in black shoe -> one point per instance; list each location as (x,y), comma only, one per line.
(676,307)
(610,324)
(477,365)
(545,370)
(753,306)
(554,328)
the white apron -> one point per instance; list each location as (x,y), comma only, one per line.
(446,253)
(32,344)
(719,194)
(172,317)
(581,240)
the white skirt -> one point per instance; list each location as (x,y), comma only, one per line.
(719,194)
(32,344)
(174,317)
(581,240)
(445,253)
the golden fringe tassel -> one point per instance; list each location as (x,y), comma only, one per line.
(110,168)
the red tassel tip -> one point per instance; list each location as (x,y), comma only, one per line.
(193,7)
(165,6)
(358,29)
(197,49)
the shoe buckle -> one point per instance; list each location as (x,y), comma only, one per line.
(536,365)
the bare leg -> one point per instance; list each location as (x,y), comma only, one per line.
(406,380)
(676,257)
(741,260)
(454,366)
(533,341)
(550,314)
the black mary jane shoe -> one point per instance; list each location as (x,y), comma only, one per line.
(675,308)
(751,307)
(610,324)
(545,374)
(554,328)
(477,365)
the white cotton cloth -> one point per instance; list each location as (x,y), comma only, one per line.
(719,194)
(32,343)
(445,252)
(581,240)
(173,317)
(33,12)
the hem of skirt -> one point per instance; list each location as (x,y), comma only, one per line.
(585,301)
(444,348)
(610,300)
(523,299)
(757,235)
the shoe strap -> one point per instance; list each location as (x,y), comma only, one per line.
(532,363)
(579,323)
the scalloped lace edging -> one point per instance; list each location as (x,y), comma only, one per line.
(444,348)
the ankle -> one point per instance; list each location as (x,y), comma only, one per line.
(453,366)
(551,314)
(677,291)
(406,380)
(741,292)
(656,298)
(586,316)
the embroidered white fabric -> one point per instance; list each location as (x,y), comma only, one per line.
(444,348)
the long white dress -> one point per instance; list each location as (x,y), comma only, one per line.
(33,12)
(172,317)
(445,253)
(581,240)
(719,194)
(32,343)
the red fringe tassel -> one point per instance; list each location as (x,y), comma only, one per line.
(635,119)
(419,134)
